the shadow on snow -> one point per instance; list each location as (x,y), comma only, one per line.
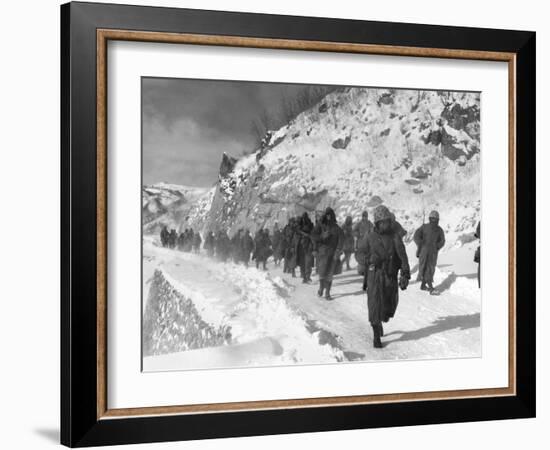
(440,325)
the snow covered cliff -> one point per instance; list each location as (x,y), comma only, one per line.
(358,147)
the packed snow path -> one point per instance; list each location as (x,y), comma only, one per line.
(276,319)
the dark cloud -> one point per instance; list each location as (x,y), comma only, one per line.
(188,124)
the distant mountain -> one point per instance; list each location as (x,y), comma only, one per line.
(170,204)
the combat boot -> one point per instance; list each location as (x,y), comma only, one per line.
(327,293)
(321,288)
(376,342)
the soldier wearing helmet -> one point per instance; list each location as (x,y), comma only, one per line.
(329,241)
(429,239)
(384,256)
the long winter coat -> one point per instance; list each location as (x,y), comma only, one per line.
(263,247)
(349,238)
(188,241)
(429,239)
(223,246)
(236,247)
(209,243)
(329,239)
(290,246)
(277,241)
(362,228)
(304,254)
(197,240)
(477,255)
(247,247)
(383,256)
(172,238)
(164,236)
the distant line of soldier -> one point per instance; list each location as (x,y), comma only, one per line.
(378,248)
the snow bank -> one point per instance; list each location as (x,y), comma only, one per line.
(197,303)
(270,316)
(172,323)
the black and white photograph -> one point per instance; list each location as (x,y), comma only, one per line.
(289,224)
(258,225)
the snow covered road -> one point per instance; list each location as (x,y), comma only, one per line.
(274,319)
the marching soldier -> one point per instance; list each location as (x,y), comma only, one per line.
(304,255)
(384,255)
(277,241)
(172,237)
(363,227)
(197,240)
(477,254)
(360,230)
(164,236)
(329,239)
(263,248)
(209,244)
(247,245)
(223,246)
(349,240)
(429,239)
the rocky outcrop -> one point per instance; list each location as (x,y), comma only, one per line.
(341,143)
(463,118)
(227,165)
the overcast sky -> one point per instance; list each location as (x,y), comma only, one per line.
(188,124)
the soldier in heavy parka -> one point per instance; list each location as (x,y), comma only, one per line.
(262,248)
(291,238)
(236,247)
(384,255)
(164,236)
(247,247)
(329,240)
(209,243)
(363,227)
(429,239)
(223,246)
(304,255)
(349,240)
(197,240)
(277,241)
(172,238)
(360,230)
(477,254)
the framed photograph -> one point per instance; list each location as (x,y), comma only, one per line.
(272,224)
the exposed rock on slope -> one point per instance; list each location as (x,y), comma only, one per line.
(411,150)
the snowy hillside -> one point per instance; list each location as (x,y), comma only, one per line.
(412,150)
(171,205)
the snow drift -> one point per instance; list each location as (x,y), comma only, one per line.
(196,303)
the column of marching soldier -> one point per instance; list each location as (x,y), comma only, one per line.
(326,246)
